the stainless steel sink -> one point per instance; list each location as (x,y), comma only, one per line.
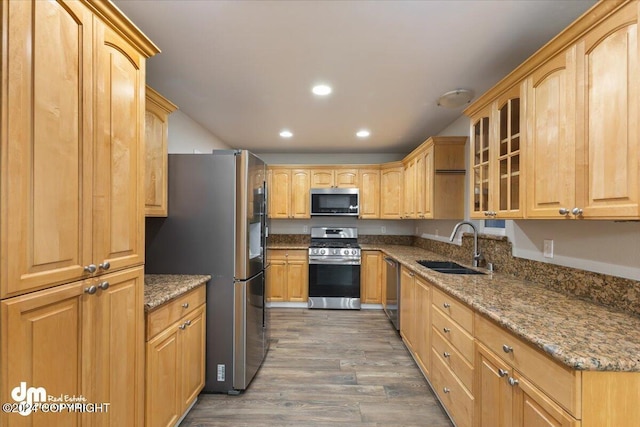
(447,267)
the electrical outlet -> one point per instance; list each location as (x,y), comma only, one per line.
(383,229)
(416,229)
(548,248)
(437,232)
(305,229)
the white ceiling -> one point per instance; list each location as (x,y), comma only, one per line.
(244,69)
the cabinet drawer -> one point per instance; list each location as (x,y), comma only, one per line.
(455,398)
(163,316)
(288,254)
(559,382)
(454,334)
(455,309)
(453,359)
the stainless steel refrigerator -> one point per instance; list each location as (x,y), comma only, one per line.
(217,226)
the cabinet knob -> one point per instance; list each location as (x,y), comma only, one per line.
(446,330)
(188,323)
(502,373)
(446,390)
(513,382)
(91,290)
(412,274)
(104,285)
(446,305)
(576,211)
(183,326)
(91,268)
(185,305)
(105,265)
(446,354)
(564,211)
(507,348)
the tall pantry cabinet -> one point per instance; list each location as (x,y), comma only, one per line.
(72,207)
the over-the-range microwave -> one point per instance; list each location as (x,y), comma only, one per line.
(334,202)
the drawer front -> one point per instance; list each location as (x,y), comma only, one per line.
(455,309)
(561,383)
(453,359)
(454,334)
(455,398)
(168,313)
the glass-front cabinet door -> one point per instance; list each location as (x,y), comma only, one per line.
(480,193)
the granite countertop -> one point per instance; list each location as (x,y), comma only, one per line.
(161,288)
(288,246)
(577,333)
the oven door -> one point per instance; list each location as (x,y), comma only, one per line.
(338,280)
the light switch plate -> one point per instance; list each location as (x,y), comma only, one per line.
(548,248)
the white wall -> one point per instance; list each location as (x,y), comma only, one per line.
(187,136)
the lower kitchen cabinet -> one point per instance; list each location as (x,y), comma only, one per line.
(288,276)
(175,367)
(99,324)
(371,277)
(415,318)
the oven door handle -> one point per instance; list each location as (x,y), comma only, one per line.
(334,262)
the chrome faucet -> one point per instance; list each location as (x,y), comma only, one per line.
(476,253)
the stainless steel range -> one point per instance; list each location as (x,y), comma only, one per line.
(334,268)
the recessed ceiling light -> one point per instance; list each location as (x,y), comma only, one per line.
(363,133)
(321,90)
(286,134)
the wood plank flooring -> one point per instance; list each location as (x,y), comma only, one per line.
(328,368)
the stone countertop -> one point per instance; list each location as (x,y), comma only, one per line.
(577,333)
(161,288)
(304,246)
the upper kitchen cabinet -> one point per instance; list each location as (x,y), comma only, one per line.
(579,112)
(334,178)
(391,190)
(608,142)
(71,143)
(369,179)
(156,124)
(288,192)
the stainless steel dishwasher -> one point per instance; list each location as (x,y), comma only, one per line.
(392,302)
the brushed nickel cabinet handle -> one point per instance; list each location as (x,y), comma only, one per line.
(91,268)
(105,265)
(91,290)
(104,285)
(502,373)
(185,305)
(507,348)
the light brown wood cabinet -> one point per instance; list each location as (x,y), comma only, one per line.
(71,187)
(99,324)
(288,195)
(288,276)
(415,318)
(156,123)
(371,277)
(391,190)
(175,357)
(334,178)
(409,189)
(369,180)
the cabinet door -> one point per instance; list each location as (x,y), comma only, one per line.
(46,144)
(407,306)
(115,316)
(608,129)
(322,178)
(409,189)
(346,178)
(534,408)
(507,156)
(422,323)
(421,183)
(371,279)
(300,188)
(297,278)
(391,193)
(163,366)
(193,357)
(118,192)
(369,193)
(551,137)
(35,328)
(494,399)
(479,161)
(279,193)
(276,280)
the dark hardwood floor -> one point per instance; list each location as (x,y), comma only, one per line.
(328,368)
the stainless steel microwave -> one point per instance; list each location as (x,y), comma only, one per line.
(335,202)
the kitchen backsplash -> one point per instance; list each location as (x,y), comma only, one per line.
(614,292)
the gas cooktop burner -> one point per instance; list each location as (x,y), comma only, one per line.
(334,244)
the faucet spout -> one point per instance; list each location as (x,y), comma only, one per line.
(476,253)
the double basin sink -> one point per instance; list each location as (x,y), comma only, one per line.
(447,267)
